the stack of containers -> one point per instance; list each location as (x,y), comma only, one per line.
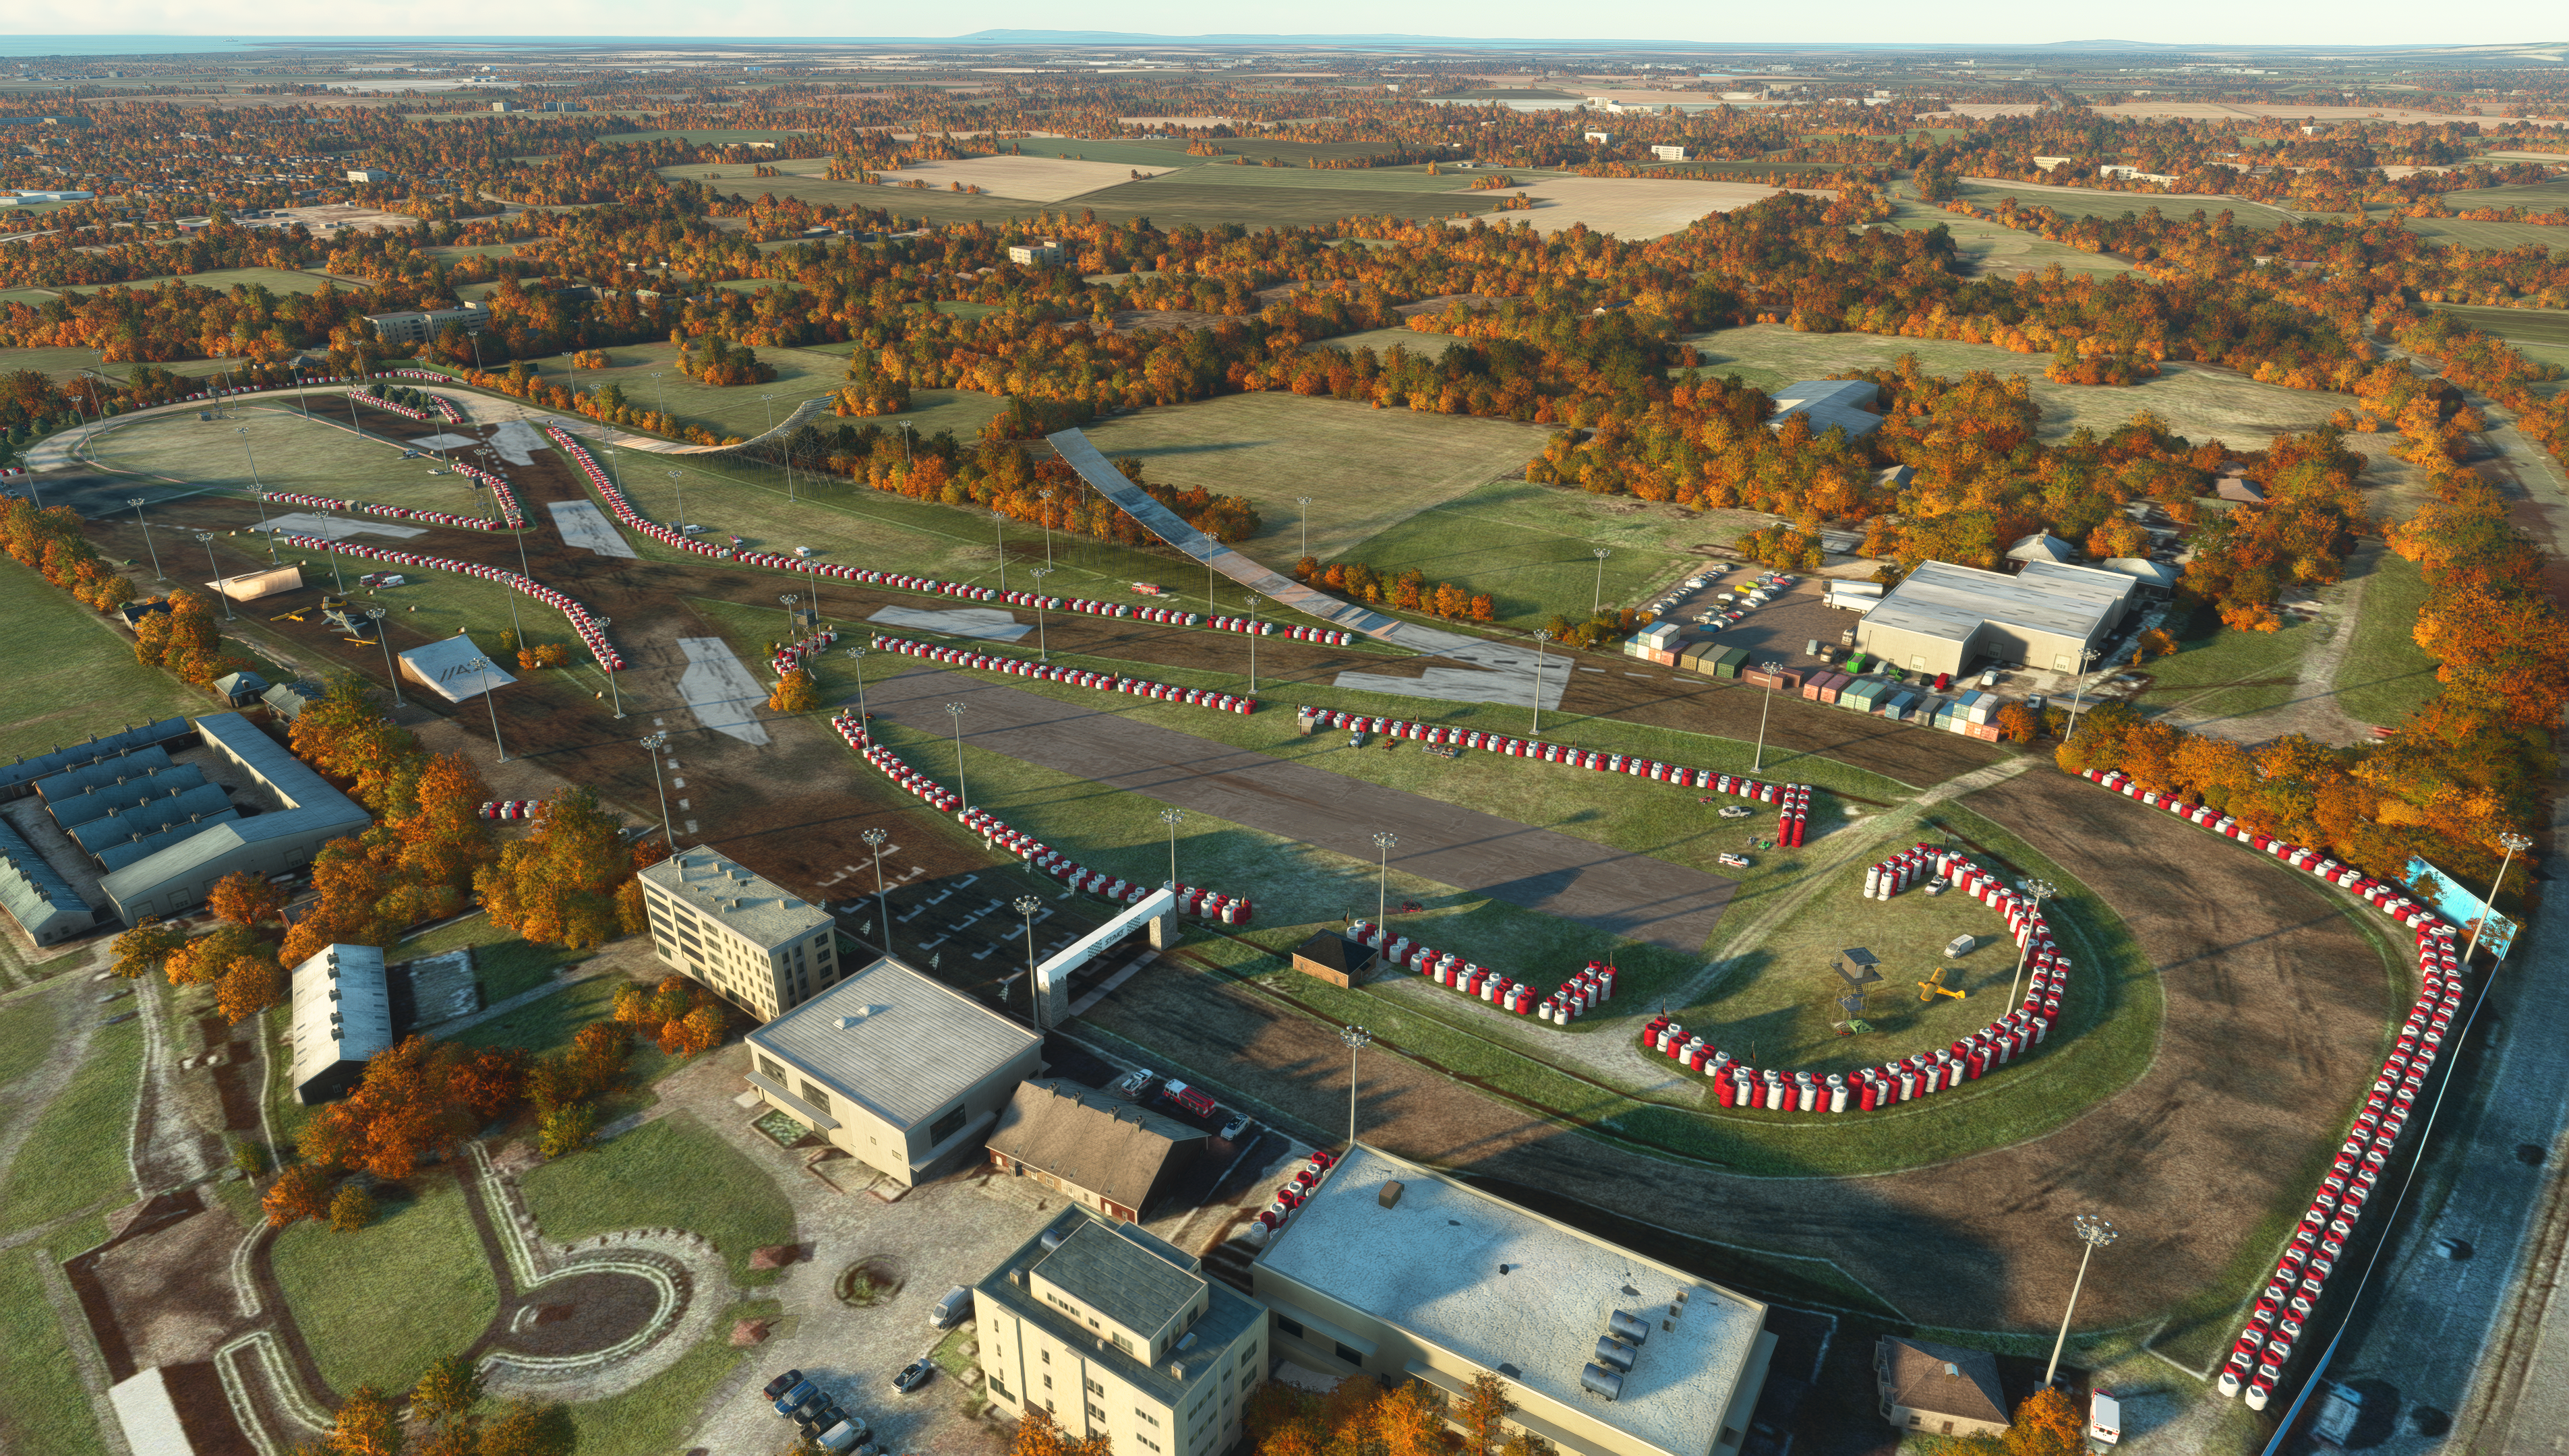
(580,621)
(2317,1244)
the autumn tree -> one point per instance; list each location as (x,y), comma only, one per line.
(246,897)
(1482,1413)
(447,1392)
(351,1209)
(522,1428)
(795,692)
(2046,1424)
(567,1129)
(557,885)
(416,1098)
(369,1423)
(251,984)
(301,1191)
(204,959)
(146,948)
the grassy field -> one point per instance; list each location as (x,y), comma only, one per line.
(420,1257)
(1273,446)
(44,1411)
(2540,334)
(502,964)
(2000,248)
(75,1156)
(319,456)
(653,1417)
(61,364)
(1170,202)
(671,1174)
(1384,341)
(801,374)
(274,280)
(2092,203)
(27,1030)
(2385,675)
(2233,673)
(700,136)
(1530,546)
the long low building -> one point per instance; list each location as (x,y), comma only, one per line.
(1394,1270)
(296,813)
(1943,618)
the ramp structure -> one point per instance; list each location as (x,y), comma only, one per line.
(1052,977)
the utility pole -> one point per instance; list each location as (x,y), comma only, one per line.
(2095,1233)
(652,744)
(1305,502)
(955,711)
(1383,841)
(136,503)
(1763,706)
(856,655)
(874,840)
(375,614)
(1000,532)
(1026,905)
(680,492)
(1045,496)
(2516,843)
(2077,691)
(1043,645)
(1598,604)
(205,538)
(601,660)
(1540,637)
(1253,645)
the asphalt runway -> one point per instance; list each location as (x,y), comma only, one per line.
(1630,895)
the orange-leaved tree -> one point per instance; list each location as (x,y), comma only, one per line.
(246,897)
(250,984)
(557,885)
(301,1191)
(416,1098)
(146,948)
(795,692)
(2046,1424)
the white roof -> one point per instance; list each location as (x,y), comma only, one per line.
(902,1045)
(1950,602)
(1431,1265)
(441,665)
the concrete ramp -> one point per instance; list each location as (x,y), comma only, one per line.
(720,692)
(970,621)
(583,526)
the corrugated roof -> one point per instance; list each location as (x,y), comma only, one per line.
(72,809)
(44,765)
(2142,568)
(131,764)
(116,856)
(1920,1379)
(32,891)
(363,1010)
(1090,1139)
(2042,546)
(1829,402)
(164,810)
(1947,601)
(913,1045)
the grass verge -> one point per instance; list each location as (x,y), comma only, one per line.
(671,1174)
(75,1154)
(651,1418)
(72,675)
(505,965)
(43,1409)
(377,1306)
(2385,675)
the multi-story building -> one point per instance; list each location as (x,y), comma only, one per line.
(739,932)
(897,1070)
(1042,255)
(1118,1333)
(422,325)
(1394,1270)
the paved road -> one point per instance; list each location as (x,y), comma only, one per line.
(1632,895)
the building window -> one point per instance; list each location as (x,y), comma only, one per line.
(1289,1326)
(1000,1389)
(815,1097)
(768,1068)
(1097,1413)
(1093,1384)
(1047,1382)
(1348,1356)
(946,1126)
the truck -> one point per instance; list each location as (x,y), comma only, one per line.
(2340,1409)
(1854,595)
(2104,1417)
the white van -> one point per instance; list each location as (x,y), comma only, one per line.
(2105,1418)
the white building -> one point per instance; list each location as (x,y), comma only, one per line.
(738,932)
(1669,153)
(1942,617)
(1119,1334)
(420,325)
(368,174)
(1042,255)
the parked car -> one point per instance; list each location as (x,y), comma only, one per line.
(843,1436)
(1234,1130)
(1735,861)
(1944,682)
(794,1397)
(952,1310)
(912,1375)
(1133,1085)
(1989,678)
(1736,810)
(1960,945)
(782,1384)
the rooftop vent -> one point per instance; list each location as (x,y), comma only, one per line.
(1390,1196)
(1052,1239)
(1187,1341)
(1614,1354)
(1628,1328)
(1509,1370)
(1017,1277)
(1598,1378)
(854,1016)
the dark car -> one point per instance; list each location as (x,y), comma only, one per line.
(783,1383)
(796,1396)
(912,1375)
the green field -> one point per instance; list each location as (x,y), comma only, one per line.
(287,452)
(1384,341)
(1407,180)
(44,1411)
(2385,675)
(1364,469)
(419,1258)
(75,674)
(2231,673)
(1997,247)
(2540,334)
(1171,203)
(65,364)
(2493,237)
(669,1174)
(2096,203)
(76,1155)
(502,964)
(1121,152)
(2541,196)
(27,1030)
(801,374)
(717,136)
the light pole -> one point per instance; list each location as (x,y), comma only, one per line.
(660,393)
(353,422)
(136,503)
(789,598)
(1000,532)
(1597,603)
(1383,840)
(1763,706)
(2516,843)
(905,444)
(1540,637)
(1046,497)
(1043,644)
(2077,691)
(601,660)
(2036,891)
(1305,502)
(529,574)
(1172,818)
(652,744)
(483,666)
(873,840)
(680,492)
(375,614)
(955,711)
(856,655)
(2095,1233)
(1357,1039)
(1026,905)
(1253,645)
(206,540)
(257,492)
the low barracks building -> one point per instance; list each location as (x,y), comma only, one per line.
(1393,1270)
(716,923)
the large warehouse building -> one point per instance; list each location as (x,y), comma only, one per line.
(1395,1272)
(165,853)
(1944,617)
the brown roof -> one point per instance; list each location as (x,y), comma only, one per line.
(1090,1139)
(1943,1379)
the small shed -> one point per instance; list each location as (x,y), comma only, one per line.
(2238,489)
(240,689)
(447,668)
(1941,1389)
(2042,546)
(287,700)
(1856,966)
(1333,959)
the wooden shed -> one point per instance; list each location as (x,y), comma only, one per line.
(1333,959)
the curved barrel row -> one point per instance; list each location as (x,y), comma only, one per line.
(1194,697)
(581,622)
(1582,992)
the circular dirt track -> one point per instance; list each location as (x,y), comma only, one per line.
(2274,1007)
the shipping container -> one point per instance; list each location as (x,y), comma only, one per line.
(1731,662)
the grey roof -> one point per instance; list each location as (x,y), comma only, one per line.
(900,1044)
(2142,568)
(233,684)
(442,664)
(1086,1138)
(1336,952)
(313,810)
(1947,601)
(153,815)
(115,857)
(44,766)
(1136,1287)
(738,898)
(350,1027)
(2042,546)
(1829,402)
(1919,1380)
(289,699)
(71,809)
(1430,1265)
(128,765)
(2240,489)
(30,889)
(1227,1316)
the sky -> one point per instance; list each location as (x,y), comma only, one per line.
(2186,22)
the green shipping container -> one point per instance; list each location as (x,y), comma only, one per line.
(1730,663)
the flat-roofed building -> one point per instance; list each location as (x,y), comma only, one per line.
(423,325)
(899,1071)
(1118,1333)
(343,1014)
(1396,1271)
(1942,617)
(1097,1150)
(738,932)
(1827,404)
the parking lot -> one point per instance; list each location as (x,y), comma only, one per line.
(1780,631)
